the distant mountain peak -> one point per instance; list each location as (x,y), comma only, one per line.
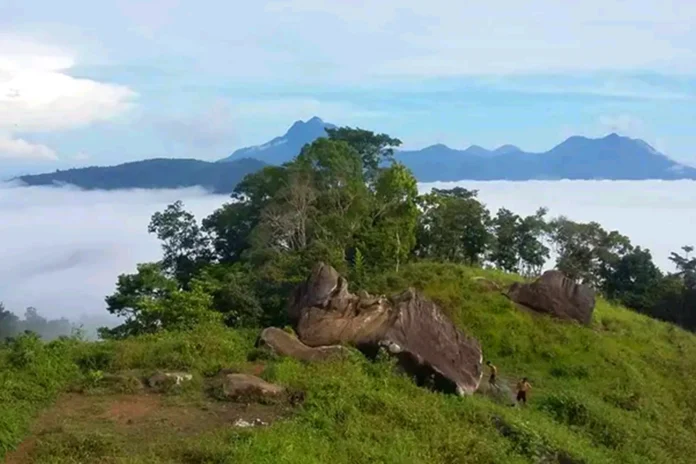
(280,149)
(504,149)
(477,150)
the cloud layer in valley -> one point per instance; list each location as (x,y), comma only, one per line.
(64,248)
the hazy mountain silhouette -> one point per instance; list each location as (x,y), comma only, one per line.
(158,173)
(612,157)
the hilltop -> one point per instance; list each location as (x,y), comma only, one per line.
(617,391)
(611,157)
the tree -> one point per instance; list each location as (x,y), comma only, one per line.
(231,225)
(453,227)
(633,280)
(532,251)
(389,234)
(186,248)
(372,148)
(506,240)
(8,323)
(585,250)
(686,266)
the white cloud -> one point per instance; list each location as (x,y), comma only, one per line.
(37,95)
(16,148)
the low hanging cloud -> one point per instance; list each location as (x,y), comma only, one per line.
(38,95)
(68,246)
(64,248)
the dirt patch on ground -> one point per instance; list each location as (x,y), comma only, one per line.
(134,423)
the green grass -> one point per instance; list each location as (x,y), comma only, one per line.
(620,391)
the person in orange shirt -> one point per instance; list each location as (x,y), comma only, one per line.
(523,388)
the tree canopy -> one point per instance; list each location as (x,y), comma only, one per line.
(345,200)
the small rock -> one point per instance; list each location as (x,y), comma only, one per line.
(247,388)
(242,423)
(164,379)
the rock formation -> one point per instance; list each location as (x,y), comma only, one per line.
(412,328)
(555,294)
(284,344)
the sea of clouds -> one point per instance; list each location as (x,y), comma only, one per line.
(62,248)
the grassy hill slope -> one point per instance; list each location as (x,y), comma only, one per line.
(618,391)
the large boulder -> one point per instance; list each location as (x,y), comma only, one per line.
(412,328)
(284,344)
(555,294)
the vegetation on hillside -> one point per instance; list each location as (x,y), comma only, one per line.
(617,391)
(346,201)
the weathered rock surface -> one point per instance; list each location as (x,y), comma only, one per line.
(411,327)
(247,388)
(555,294)
(284,344)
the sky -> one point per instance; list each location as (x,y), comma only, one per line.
(99,83)
(64,248)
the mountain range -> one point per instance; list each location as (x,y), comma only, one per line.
(612,157)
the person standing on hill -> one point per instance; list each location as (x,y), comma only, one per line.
(522,388)
(494,373)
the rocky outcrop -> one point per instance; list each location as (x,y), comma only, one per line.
(555,294)
(412,328)
(284,344)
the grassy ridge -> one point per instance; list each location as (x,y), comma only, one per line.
(619,391)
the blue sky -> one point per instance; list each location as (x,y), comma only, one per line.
(85,83)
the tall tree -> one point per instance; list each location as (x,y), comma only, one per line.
(389,234)
(633,280)
(186,247)
(373,148)
(454,226)
(585,250)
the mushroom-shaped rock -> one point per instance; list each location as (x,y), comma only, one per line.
(411,327)
(284,344)
(555,294)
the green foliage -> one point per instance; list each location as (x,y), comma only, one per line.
(454,227)
(151,301)
(619,391)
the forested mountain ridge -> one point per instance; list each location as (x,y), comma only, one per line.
(158,173)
